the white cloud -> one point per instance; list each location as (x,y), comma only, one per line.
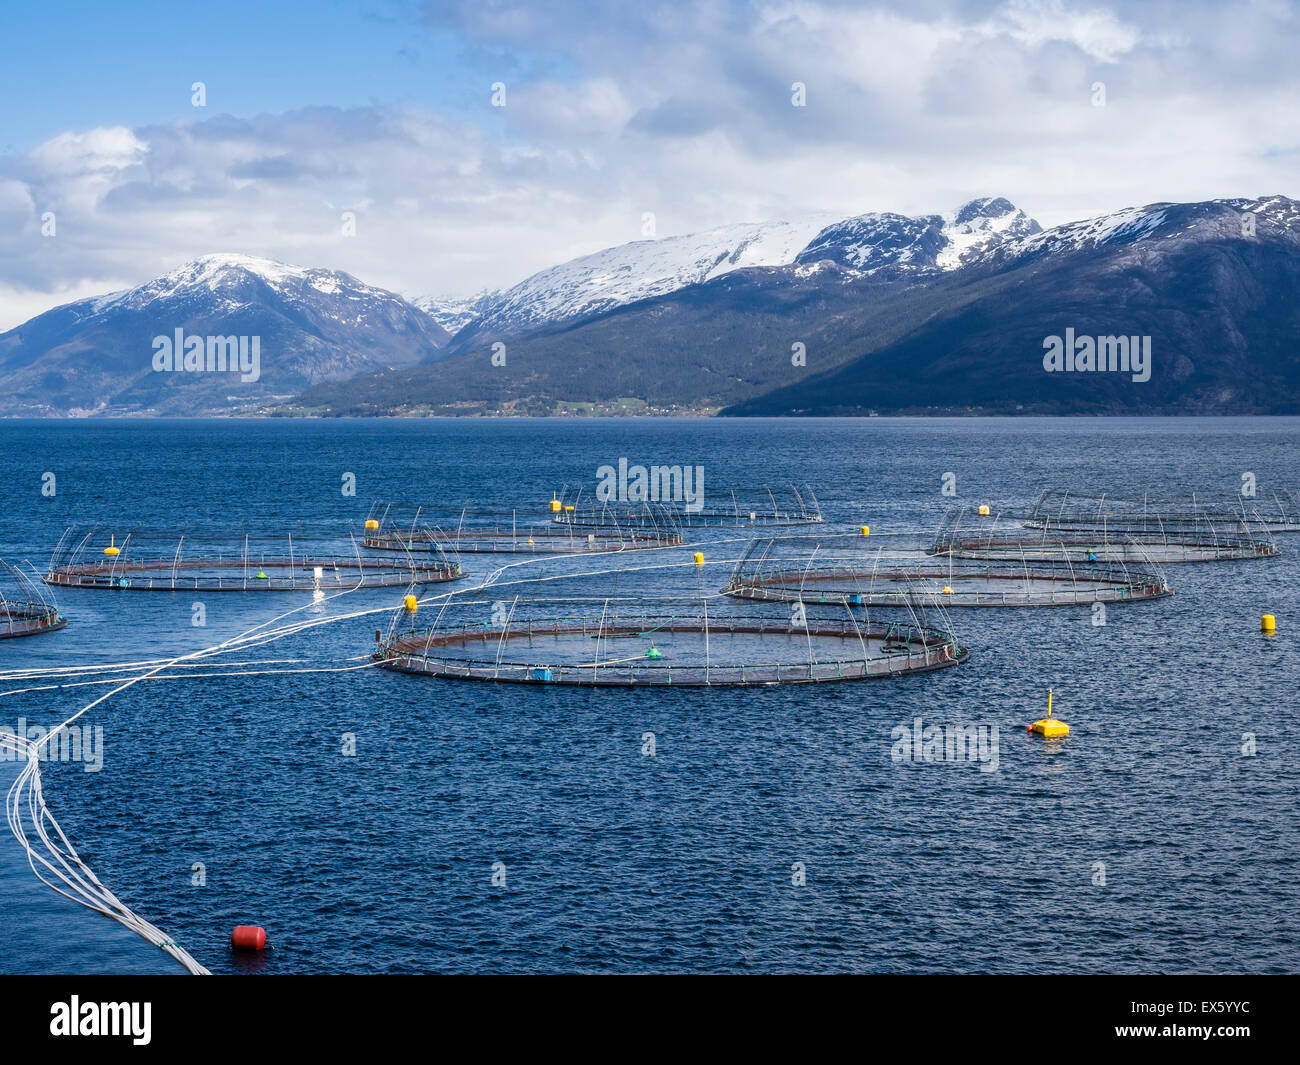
(1095,32)
(97,151)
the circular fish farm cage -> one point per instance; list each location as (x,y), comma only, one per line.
(400,527)
(26,608)
(155,560)
(1064,509)
(839,572)
(796,506)
(995,542)
(655,643)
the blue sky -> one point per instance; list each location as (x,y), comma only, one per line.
(133,64)
(383,111)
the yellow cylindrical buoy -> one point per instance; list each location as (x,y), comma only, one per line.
(699,558)
(555,506)
(984,510)
(371,524)
(1268,623)
(411,603)
(946,590)
(866,530)
(1049,726)
(112,550)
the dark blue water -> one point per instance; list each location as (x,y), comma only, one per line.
(616,861)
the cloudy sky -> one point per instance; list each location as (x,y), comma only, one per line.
(385,110)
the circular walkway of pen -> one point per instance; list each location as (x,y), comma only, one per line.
(670,651)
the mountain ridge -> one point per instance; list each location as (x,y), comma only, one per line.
(1217,303)
(96,355)
(897,333)
(628,273)
(878,313)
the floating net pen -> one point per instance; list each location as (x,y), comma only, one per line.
(844,570)
(402,527)
(1269,512)
(150,560)
(731,508)
(962,535)
(26,608)
(647,643)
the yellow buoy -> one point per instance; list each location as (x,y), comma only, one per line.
(947,590)
(699,558)
(111,550)
(866,530)
(984,510)
(411,603)
(1049,726)
(555,505)
(371,524)
(1268,623)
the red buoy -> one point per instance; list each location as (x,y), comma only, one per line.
(248,937)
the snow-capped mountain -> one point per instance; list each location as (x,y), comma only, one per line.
(1206,289)
(1274,216)
(627,273)
(230,280)
(940,312)
(453,313)
(946,314)
(97,355)
(872,242)
(978,227)
(644,269)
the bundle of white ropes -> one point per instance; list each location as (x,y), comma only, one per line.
(50,854)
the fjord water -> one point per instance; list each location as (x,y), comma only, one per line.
(617,861)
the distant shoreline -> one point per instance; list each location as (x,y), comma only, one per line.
(682,416)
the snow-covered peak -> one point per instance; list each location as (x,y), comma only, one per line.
(1276,210)
(979,225)
(645,268)
(228,276)
(1131,225)
(213,269)
(453,312)
(871,242)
